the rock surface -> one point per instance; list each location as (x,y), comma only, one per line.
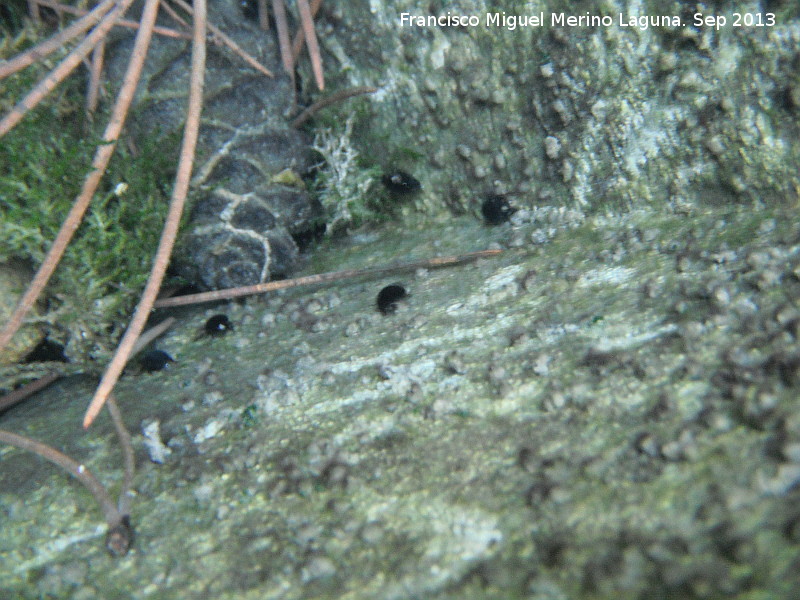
(610,409)
(590,116)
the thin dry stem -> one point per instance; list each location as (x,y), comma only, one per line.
(57,75)
(282,25)
(328,100)
(263,16)
(166,7)
(77,470)
(102,156)
(249,290)
(173,218)
(95,75)
(33,9)
(20,394)
(307,22)
(151,334)
(163,31)
(119,537)
(57,41)
(27,390)
(128,459)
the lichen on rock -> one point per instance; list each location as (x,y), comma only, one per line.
(345,184)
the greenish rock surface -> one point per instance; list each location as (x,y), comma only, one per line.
(591,116)
(609,412)
(608,409)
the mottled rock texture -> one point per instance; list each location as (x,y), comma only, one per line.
(608,409)
(596,117)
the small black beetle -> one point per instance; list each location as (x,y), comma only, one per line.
(218,325)
(155,360)
(388,298)
(496,210)
(401,183)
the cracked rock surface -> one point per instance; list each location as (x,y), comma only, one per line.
(241,226)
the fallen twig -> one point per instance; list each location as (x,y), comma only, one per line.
(307,22)
(33,9)
(249,290)
(166,7)
(300,37)
(39,51)
(20,394)
(328,100)
(220,37)
(120,533)
(128,459)
(282,25)
(151,334)
(95,75)
(64,68)
(263,17)
(163,31)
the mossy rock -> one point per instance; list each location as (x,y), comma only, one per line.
(14,278)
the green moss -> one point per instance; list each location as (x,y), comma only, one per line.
(43,163)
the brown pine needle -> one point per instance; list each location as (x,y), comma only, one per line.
(119,537)
(300,37)
(95,75)
(282,25)
(151,334)
(307,22)
(33,9)
(170,231)
(57,41)
(260,288)
(163,31)
(328,100)
(57,75)
(77,470)
(31,388)
(128,458)
(263,16)
(167,8)
(101,158)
